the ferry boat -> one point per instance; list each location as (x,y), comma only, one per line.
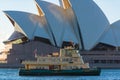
(67,62)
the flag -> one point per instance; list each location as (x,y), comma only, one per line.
(35,52)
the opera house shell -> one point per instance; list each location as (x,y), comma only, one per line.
(112,36)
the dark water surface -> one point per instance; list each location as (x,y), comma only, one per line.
(12,74)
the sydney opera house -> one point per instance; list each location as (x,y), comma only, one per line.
(74,22)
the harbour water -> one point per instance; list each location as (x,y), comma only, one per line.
(106,74)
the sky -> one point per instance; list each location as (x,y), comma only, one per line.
(109,7)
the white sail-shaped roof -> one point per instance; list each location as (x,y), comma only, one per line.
(56,17)
(112,36)
(31,25)
(91,20)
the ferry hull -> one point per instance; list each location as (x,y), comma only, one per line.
(77,72)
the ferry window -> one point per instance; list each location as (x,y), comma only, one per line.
(58,59)
(64,59)
(70,59)
(75,59)
(68,53)
(67,59)
(43,59)
(39,59)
